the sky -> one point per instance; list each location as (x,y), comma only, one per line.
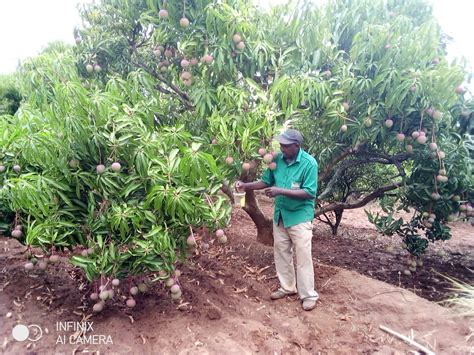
(27,26)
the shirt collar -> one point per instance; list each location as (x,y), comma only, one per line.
(298,156)
(297,159)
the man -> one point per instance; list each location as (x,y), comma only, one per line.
(293,184)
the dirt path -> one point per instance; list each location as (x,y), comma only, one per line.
(360,247)
(226,308)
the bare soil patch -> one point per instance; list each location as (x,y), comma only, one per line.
(226,306)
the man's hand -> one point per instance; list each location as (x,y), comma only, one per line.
(249,186)
(273,191)
(299,194)
(240,186)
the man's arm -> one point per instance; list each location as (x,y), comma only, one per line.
(308,186)
(267,180)
(299,194)
(250,186)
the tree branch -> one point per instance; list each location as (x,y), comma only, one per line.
(327,170)
(132,42)
(327,221)
(344,165)
(369,159)
(163,90)
(176,90)
(347,206)
(393,159)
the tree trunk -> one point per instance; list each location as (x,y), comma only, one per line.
(264,225)
(335,226)
(227,190)
(265,233)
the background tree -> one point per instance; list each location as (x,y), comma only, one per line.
(10,96)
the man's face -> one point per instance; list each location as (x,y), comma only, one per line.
(289,151)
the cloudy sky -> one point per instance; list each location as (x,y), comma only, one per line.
(26,26)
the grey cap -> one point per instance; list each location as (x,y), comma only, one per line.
(290,136)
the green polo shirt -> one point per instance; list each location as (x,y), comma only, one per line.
(302,173)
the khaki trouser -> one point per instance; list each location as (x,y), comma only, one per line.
(286,240)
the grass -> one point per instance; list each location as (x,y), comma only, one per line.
(462,300)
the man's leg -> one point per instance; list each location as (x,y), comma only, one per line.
(283,255)
(301,236)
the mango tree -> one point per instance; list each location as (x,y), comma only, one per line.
(86,169)
(381,107)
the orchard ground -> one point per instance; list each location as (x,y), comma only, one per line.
(226,306)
